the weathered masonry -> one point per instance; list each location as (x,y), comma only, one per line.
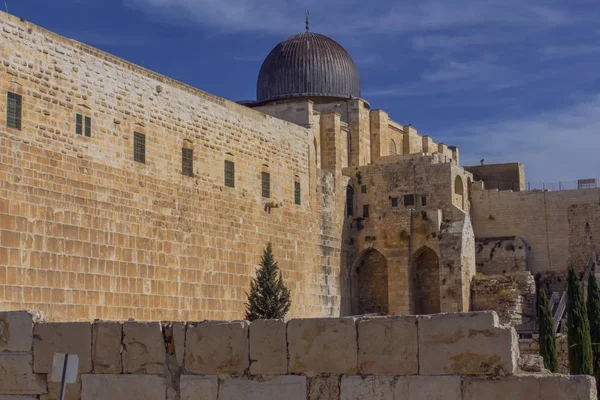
(448,356)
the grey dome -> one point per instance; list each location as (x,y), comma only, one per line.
(307,65)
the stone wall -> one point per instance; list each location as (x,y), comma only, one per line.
(509,176)
(500,255)
(544,220)
(532,347)
(86,232)
(448,356)
(511,295)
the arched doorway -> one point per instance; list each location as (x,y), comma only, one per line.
(425,282)
(370,284)
(459,192)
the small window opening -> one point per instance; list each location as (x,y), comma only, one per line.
(366,211)
(297,193)
(229,173)
(409,199)
(266,184)
(139,147)
(363,189)
(349,201)
(424,201)
(394,202)
(14,111)
(187,162)
(83,125)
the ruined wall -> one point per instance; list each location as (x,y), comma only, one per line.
(500,255)
(452,356)
(532,347)
(510,295)
(87,232)
(542,219)
(509,176)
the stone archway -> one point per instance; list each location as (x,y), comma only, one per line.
(425,282)
(370,284)
(459,192)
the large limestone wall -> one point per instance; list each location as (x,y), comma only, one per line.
(88,233)
(510,176)
(552,224)
(449,356)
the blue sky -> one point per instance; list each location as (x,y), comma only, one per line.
(505,80)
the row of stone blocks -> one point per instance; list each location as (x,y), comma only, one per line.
(163,360)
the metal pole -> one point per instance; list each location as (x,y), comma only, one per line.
(63,384)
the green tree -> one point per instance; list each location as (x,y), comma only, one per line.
(593,307)
(269,298)
(547,336)
(580,344)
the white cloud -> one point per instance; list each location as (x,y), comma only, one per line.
(558,145)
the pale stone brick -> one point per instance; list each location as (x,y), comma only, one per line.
(324,388)
(17,377)
(195,387)
(281,387)
(268,347)
(468,344)
(143,348)
(68,338)
(368,387)
(106,347)
(217,348)
(72,392)
(322,346)
(16,397)
(388,346)
(111,387)
(543,387)
(428,387)
(16,330)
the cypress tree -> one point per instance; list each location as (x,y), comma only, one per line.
(593,307)
(269,298)
(547,336)
(580,344)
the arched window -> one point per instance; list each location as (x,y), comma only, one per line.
(392,148)
(459,192)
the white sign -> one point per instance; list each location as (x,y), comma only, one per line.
(64,365)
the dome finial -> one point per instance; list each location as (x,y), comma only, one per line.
(307,14)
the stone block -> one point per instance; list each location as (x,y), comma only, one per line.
(368,387)
(322,346)
(16,330)
(17,377)
(428,387)
(324,388)
(69,338)
(179,341)
(466,344)
(198,387)
(106,347)
(111,387)
(388,346)
(143,348)
(16,397)
(546,387)
(217,348)
(268,347)
(280,387)
(72,392)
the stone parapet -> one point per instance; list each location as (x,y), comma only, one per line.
(444,356)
